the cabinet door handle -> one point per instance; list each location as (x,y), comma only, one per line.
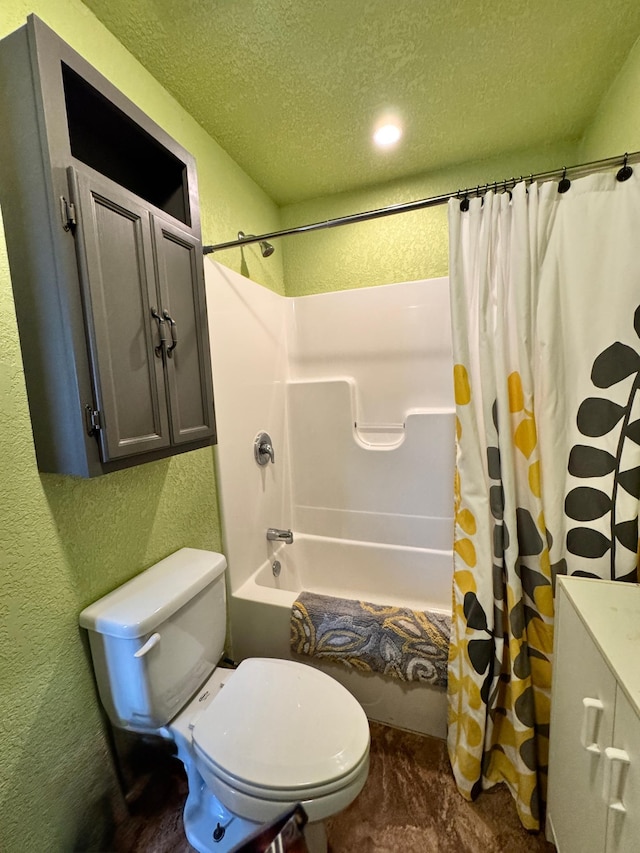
(615,772)
(591,713)
(161,330)
(174,332)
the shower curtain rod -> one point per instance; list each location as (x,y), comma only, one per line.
(434,201)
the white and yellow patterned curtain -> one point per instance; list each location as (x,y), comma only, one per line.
(545,291)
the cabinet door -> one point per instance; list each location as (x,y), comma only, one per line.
(623,825)
(115,253)
(579,734)
(188,365)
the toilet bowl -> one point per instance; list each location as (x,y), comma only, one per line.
(262,738)
(255,740)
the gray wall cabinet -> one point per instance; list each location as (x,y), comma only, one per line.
(100,209)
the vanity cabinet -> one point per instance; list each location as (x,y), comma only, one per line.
(100,208)
(594,764)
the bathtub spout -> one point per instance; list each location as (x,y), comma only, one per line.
(276,535)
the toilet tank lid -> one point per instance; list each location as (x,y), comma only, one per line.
(143,603)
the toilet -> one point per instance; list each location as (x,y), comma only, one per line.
(255,740)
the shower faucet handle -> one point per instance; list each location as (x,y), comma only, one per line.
(263,449)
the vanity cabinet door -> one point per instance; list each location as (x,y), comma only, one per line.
(623,792)
(115,254)
(187,363)
(582,715)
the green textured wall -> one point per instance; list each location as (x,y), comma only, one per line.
(404,247)
(63,541)
(616,126)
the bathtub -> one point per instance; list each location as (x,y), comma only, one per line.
(418,578)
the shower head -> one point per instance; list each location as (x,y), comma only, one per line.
(266,248)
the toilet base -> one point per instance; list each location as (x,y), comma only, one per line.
(211,828)
(315,835)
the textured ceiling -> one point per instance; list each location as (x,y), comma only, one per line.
(291,89)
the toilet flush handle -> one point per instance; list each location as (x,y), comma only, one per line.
(153,640)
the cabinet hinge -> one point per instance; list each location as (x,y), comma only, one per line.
(68,213)
(94,422)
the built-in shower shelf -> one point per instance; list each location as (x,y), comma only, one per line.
(388,436)
(384,436)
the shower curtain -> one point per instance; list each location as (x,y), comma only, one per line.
(546,326)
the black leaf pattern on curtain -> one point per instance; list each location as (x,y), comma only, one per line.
(597,417)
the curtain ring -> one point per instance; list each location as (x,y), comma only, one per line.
(625,172)
(564,183)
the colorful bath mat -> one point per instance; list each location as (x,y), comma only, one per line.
(411,645)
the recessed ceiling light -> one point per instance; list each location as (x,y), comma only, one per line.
(387,135)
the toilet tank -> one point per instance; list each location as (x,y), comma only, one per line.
(158,637)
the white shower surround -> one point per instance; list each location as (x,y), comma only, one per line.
(355,389)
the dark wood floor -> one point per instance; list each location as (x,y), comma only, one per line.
(409,805)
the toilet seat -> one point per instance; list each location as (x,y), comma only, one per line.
(280,731)
(281,794)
